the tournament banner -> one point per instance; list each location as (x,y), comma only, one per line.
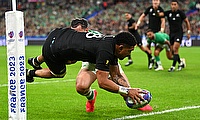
(16,65)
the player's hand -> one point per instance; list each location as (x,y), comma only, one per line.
(133,93)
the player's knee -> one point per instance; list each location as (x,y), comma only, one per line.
(175,50)
(170,57)
(81,87)
(79,90)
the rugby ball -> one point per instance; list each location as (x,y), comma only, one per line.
(147,98)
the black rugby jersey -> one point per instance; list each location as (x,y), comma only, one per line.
(154,21)
(130,23)
(134,32)
(175,20)
(69,44)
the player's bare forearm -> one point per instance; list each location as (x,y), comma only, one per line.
(105,83)
(117,77)
(120,80)
(162,25)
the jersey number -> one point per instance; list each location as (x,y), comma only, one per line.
(94,34)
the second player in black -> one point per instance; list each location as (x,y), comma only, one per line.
(131,28)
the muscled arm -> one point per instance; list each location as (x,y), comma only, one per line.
(117,77)
(188,27)
(139,21)
(162,29)
(109,85)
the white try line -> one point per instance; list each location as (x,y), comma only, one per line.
(43,82)
(156,113)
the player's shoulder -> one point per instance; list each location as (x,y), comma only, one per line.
(165,34)
(168,11)
(148,9)
(132,20)
(181,12)
(159,34)
(160,8)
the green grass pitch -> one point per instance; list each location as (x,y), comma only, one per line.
(57,99)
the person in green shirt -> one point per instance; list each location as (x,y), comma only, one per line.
(161,41)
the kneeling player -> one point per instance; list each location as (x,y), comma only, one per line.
(161,41)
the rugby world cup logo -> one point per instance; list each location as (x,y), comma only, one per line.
(21,34)
(11,34)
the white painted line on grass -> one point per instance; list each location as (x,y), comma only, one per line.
(43,82)
(156,113)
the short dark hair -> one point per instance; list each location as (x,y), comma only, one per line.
(79,21)
(148,30)
(125,38)
(132,14)
(174,1)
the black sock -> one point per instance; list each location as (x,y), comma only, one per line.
(175,59)
(36,61)
(32,73)
(179,61)
(148,55)
(129,57)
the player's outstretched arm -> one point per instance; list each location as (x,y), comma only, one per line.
(117,77)
(188,27)
(162,29)
(109,85)
(139,21)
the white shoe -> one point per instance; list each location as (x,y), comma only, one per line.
(183,62)
(151,63)
(181,65)
(150,66)
(159,68)
(171,69)
(129,63)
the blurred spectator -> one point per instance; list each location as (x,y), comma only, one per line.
(104,15)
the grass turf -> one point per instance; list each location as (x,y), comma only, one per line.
(57,99)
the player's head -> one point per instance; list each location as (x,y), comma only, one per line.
(79,24)
(155,3)
(125,43)
(174,5)
(150,34)
(128,16)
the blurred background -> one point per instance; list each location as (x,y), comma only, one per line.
(106,16)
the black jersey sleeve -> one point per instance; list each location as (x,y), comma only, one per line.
(104,59)
(161,9)
(146,12)
(166,13)
(182,14)
(132,21)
